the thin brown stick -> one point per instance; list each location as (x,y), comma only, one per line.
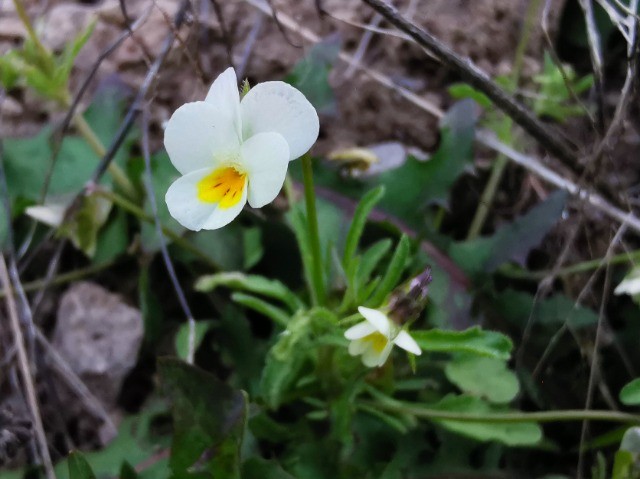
(25,372)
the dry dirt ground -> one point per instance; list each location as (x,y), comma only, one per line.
(486,31)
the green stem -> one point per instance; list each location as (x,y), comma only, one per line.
(45,54)
(500,164)
(96,145)
(62,278)
(583,267)
(136,211)
(318,291)
(509,417)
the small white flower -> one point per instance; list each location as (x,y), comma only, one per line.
(375,337)
(231,151)
(630,284)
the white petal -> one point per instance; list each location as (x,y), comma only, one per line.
(357,347)
(265,158)
(278,107)
(51,214)
(372,358)
(378,319)
(384,355)
(359,331)
(225,95)
(184,205)
(629,285)
(223,216)
(406,342)
(199,136)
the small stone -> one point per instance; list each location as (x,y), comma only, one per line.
(99,336)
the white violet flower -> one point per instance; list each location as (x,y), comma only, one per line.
(231,152)
(630,284)
(374,338)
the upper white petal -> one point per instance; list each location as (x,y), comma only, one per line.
(184,205)
(377,318)
(265,158)
(225,95)
(359,331)
(199,135)
(406,342)
(278,107)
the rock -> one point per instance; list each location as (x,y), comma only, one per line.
(99,336)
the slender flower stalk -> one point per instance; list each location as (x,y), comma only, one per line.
(318,289)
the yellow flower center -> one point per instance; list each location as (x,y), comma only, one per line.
(224,186)
(378,341)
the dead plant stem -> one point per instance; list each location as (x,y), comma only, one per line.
(25,371)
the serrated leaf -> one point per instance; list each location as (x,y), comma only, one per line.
(630,393)
(511,434)
(209,419)
(79,468)
(474,340)
(485,377)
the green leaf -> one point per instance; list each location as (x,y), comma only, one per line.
(112,239)
(511,434)
(485,377)
(277,315)
(209,418)
(79,468)
(270,288)
(311,74)
(460,91)
(358,222)
(127,471)
(182,338)
(519,307)
(394,273)
(630,393)
(623,462)
(71,51)
(474,340)
(221,246)
(252,245)
(512,242)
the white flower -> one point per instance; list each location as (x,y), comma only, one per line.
(231,151)
(630,284)
(375,337)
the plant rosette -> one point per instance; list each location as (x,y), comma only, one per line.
(231,151)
